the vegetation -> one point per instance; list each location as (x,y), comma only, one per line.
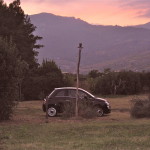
(119,83)
(42,81)
(85,110)
(37,81)
(17,54)
(15,25)
(28,130)
(11,72)
(22,78)
(71,136)
(19,71)
(140,108)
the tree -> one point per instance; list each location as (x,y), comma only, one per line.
(123,82)
(40,83)
(94,74)
(11,73)
(15,25)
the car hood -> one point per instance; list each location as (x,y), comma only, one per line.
(100,99)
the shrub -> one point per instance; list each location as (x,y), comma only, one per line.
(69,111)
(140,108)
(85,110)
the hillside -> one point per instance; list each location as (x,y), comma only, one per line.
(146,25)
(104,46)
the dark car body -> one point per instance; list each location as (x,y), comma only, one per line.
(60,96)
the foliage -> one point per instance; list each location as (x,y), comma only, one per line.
(86,110)
(17,54)
(94,74)
(68,111)
(84,107)
(140,108)
(11,74)
(43,80)
(119,83)
(15,25)
(68,79)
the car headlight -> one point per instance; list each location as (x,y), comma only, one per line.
(107,104)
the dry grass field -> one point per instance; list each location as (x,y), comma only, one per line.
(118,131)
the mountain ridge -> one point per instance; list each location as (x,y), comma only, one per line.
(146,25)
(103,45)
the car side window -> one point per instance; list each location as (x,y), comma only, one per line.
(60,93)
(72,93)
(84,95)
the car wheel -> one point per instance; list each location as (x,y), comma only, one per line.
(52,111)
(99,111)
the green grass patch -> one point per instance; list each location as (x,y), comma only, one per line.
(94,135)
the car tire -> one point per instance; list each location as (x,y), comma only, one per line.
(99,111)
(52,112)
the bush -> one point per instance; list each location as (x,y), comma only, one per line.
(85,110)
(69,111)
(140,108)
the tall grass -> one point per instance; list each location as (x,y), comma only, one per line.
(140,108)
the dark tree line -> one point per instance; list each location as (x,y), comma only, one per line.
(43,80)
(119,83)
(17,54)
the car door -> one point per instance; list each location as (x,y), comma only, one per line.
(71,96)
(85,98)
(60,98)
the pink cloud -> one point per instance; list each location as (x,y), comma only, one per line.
(121,12)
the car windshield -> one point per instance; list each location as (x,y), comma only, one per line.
(51,93)
(88,93)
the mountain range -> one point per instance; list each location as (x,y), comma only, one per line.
(112,47)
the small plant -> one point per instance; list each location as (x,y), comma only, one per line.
(85,110)
(140,108)
(69,111)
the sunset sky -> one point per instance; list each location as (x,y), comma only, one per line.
(104,12)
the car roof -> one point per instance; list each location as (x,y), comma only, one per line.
(73,88)
(68,88)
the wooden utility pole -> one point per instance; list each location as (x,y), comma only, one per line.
(77,92)
(46,117)
(19,90)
